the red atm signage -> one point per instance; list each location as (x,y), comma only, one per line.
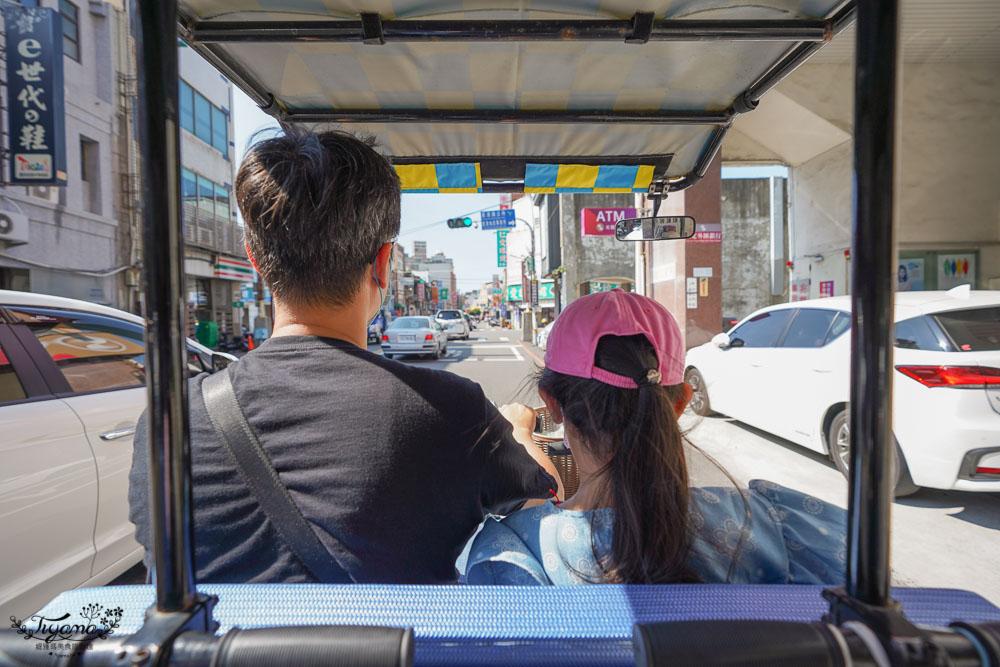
(601,221)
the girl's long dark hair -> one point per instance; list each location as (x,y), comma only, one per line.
(645,477)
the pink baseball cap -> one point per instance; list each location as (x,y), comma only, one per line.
(572,342)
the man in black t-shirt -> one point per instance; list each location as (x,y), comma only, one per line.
(392,466)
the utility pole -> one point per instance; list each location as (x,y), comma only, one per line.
(528,325)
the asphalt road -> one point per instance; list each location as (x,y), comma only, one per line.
(947,539)
(493,357)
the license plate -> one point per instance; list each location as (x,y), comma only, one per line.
(407,339)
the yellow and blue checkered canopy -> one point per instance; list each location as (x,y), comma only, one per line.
(453,178)
(551,178)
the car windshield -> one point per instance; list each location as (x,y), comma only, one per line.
(973,330)
(411,323)
(449,315)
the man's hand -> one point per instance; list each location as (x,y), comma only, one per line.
(519,415)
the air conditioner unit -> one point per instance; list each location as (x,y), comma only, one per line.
(49,193)
(13,228)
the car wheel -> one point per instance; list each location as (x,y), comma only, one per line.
(838,438)
(700,405)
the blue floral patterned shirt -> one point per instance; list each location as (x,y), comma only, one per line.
(787,537)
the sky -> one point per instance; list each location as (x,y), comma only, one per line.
(423,215)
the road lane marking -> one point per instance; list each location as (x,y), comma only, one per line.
(532,354)
(504,338)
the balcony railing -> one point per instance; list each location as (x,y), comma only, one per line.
(205,229)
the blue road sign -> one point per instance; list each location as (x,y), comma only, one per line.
(500,219)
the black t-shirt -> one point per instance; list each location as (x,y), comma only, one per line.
(396,463)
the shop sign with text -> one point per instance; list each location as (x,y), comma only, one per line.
(709,232)
(35,109)
(601,221)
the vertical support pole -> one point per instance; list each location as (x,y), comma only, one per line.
(870,491)
(169,448)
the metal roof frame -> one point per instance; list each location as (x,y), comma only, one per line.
(807,37)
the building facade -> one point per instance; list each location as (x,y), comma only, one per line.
(216,266)
(68,245)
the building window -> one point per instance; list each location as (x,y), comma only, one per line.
(206,195)
(71,29)
(221,202)
(187,107)
(202,118)
(90,175)
(220,134)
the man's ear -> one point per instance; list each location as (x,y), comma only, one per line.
(252,262)
(552,405)
(686,393)
(382,265)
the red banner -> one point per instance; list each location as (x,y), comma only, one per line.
(601,221)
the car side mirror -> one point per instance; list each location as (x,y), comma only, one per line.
(220,362)
(721,341)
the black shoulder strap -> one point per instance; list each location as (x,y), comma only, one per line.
(254,465)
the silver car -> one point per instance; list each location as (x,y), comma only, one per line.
(454,323)
(414,335)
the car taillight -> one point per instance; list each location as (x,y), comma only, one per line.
(952,376)
(428,337)
(987,471)
(385,337)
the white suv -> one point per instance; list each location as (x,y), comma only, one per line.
(454,323)
(72,386)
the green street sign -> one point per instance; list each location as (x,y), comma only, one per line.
(237,304)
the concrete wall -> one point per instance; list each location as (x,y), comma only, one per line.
(592,257)
(948,198)
(746,246)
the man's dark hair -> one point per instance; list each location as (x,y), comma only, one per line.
(317,208)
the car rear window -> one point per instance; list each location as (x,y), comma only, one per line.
(410,323)
(449,315)
(973,330)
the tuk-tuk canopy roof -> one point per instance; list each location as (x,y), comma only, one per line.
(496,87)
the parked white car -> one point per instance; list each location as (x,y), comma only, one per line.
(786,370)
(542,337)
(72,386)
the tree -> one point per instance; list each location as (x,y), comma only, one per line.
(475,312)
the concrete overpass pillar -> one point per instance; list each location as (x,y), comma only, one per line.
(675,268)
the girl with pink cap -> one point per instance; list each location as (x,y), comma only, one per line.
(614,377)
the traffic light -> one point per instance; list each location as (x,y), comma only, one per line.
(459,223)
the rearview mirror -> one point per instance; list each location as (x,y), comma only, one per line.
(663,228)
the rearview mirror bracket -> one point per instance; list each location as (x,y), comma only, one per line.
(657,192)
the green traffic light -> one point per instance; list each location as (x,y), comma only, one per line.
(467,222)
